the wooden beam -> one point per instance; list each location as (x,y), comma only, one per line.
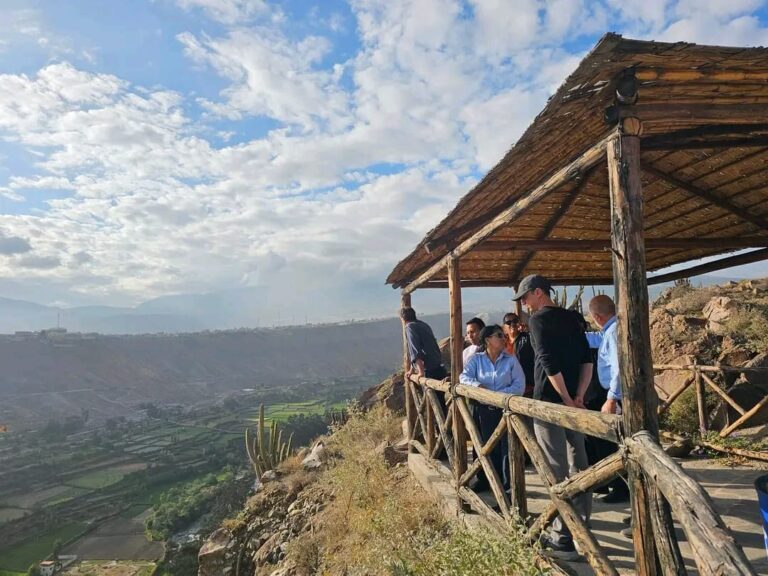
(744,417)
(605,245)
(550,225)
(662,142)
(516,462)
(716,548)
(710,197)
(635,366)
(691,74)
(720,264)
(410,407)
(457,341)
(510,282)
(573,170)
(710,113)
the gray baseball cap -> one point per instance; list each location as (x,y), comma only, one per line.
(531,283)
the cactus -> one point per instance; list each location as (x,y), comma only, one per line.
(265,455)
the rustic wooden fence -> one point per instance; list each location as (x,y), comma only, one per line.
(433,431)
(701,378)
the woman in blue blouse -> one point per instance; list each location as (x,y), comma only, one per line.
(492,368)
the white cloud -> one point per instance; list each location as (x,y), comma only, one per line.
(228,11)
(368,152)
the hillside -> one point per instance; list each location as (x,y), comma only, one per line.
(44,377)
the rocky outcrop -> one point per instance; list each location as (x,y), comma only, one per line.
(718,311)
(256,542)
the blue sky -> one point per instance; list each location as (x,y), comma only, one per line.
(158,147)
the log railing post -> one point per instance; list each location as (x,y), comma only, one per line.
(457,346)
(410,406)
(516,457)
(701,403)
(636,368)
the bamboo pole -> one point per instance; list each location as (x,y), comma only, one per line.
(636,368)
(762,456)
(675,394)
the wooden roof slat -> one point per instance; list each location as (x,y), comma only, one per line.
(708,105)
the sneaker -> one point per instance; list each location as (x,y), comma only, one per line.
(616,497)
(560,551)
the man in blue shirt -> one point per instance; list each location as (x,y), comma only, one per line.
(603,312)
(423,351)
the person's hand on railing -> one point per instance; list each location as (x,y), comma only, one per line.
(578,402)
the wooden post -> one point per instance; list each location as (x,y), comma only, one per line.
(410,407)
(457,342)
(701,403)
(516,457)
(636,368)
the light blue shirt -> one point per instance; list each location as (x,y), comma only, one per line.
(505,375)
(608,361)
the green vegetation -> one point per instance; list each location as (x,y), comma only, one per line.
(182,504)
(97,479)
(266,454)
(381,523)
(749,325)
(39,547)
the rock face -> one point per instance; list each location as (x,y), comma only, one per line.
(316,458)
(717,312)
(281,511)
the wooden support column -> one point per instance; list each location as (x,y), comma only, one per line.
(457,347)
(701,400)
(410,406)
(636,368)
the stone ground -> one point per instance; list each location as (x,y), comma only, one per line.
(731,489)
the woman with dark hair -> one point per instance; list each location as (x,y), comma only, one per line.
(519,345)
(493,368)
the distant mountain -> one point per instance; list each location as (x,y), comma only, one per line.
(247,308)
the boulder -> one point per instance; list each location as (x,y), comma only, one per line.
(746,395)
(213,557)
(391,456)
(670,380)
(316,457)
(268,476)
(718,311)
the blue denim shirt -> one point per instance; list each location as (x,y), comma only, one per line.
(608,361)
(505,375)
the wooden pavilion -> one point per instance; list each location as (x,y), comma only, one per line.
(649,155)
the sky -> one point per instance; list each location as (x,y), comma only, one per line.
(159,147)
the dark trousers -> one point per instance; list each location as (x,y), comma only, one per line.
(487,419)
(597,448)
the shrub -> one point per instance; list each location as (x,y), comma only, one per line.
(380,521)
(749,325)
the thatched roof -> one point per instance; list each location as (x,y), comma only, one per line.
(703,178)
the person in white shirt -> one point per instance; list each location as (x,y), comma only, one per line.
(474,326)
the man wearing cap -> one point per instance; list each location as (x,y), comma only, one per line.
(562,373)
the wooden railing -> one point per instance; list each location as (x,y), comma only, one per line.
(701,379)
(434,431)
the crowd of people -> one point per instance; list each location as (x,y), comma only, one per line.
(557,357)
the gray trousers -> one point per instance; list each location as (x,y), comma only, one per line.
(564,450)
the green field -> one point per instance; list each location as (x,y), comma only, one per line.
(97,479)
(8,514)
(38,549)
(284,410)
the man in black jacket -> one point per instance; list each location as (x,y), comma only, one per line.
(562,373)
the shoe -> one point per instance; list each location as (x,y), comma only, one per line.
(616,497)
(565,552)
(627,533)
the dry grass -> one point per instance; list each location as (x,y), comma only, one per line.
(380,522)
(749,325)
